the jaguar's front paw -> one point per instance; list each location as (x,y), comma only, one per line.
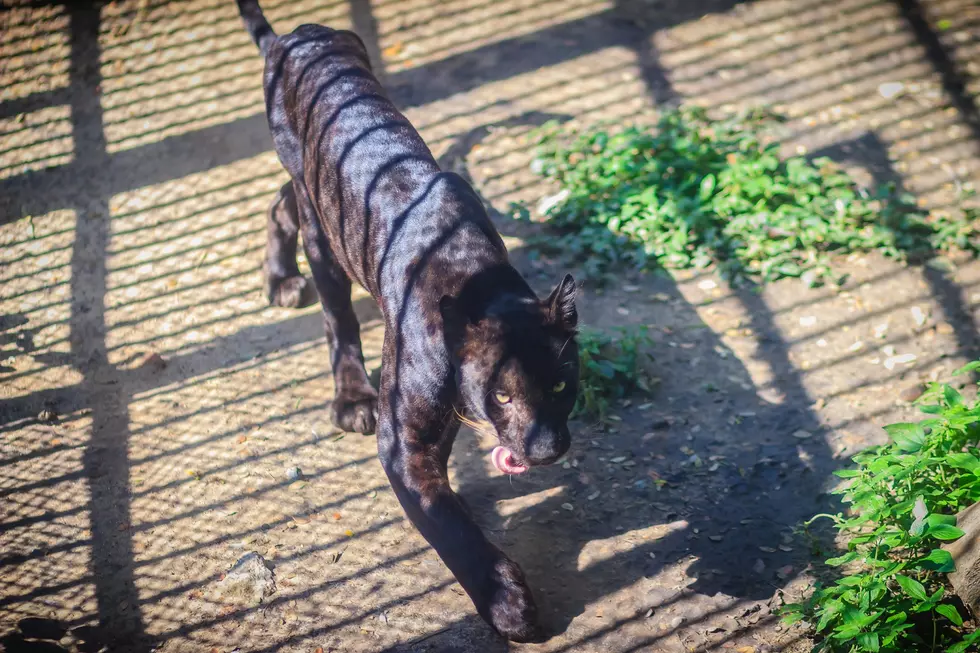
(510,607)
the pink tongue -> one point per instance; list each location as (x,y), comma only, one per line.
(503,460)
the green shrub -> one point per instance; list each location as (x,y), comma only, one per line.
(695,191)
(609,368)
(903,498)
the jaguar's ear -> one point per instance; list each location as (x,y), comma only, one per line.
(453,321)
(561,304)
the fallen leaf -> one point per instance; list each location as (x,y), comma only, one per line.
(393,50)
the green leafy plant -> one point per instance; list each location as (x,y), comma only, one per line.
(694,191)
(609,368)
(903,498)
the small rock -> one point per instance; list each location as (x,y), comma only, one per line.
(912,393)
(808,320)
(249,581)
(677,621)
(153,361)
(918,315)
(892,361)
(708,284)
(47,415)
(888,90)
(715,538)
(759,566)
(802,434)
(881,330)
(784,572)
(294,473)
(551,201)
(567,506)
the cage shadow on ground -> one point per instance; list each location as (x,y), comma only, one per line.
(108,467)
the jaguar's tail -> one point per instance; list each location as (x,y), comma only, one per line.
(258,27)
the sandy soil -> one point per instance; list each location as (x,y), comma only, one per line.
(135,169)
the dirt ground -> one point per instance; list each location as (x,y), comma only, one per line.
(135,170)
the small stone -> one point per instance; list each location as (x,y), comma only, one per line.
(153,361)
(802,434)
(568,506)
(892,361)
(784,572)
(551,201)
(677,621)
(594,496)
(881,330)
(708,284)
(294,473)
(47,415)
(808,320)
(918,315)
(912,393)
(888,90)
(249,581)
(715,538)
(759,566)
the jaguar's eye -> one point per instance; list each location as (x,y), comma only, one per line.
(501,397)
(558,387)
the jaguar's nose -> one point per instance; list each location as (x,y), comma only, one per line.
(544,445)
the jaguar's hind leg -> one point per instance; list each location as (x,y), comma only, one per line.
(284,285)
(355,405)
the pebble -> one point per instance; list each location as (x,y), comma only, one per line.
(248,582)
(912,393)
(294,473)
(153,361)
(918,315)
(47,415)
(568,506)
(888,90)
(892,361)
(808,320)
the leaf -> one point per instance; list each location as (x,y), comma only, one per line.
(945,532)
(912,587)
(938,560)
(950,613)
(707,187)
(951,396)
(909,437)
(964,460)
(969,367)
(869,642)
(843,560)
